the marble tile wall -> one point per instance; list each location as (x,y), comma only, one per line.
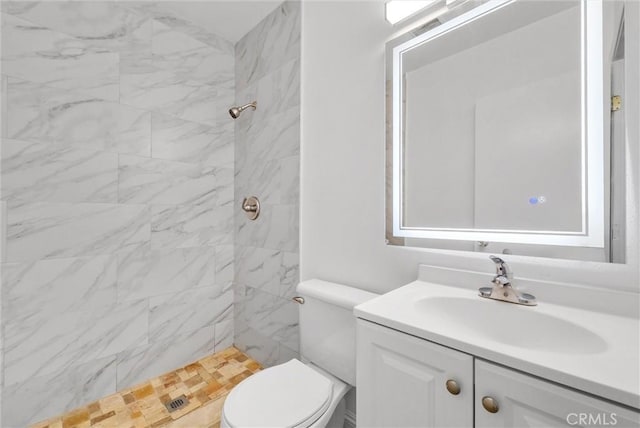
(117,200)
(267,165)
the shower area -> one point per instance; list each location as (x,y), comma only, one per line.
(129,143)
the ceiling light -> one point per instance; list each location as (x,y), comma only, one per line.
(397,10)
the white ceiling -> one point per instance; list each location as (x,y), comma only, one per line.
(229,19)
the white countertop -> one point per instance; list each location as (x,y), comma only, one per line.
(609,369)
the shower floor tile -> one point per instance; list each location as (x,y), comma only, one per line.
(205,383)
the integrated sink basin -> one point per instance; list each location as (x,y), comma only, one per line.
(563,338)
(510,324)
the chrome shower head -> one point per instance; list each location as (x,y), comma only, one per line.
(235,111)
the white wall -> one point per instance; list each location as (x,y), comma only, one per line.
(342,164)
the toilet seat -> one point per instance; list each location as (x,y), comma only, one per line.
(288,395)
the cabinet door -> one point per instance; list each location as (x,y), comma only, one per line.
(526,401)
(401,381)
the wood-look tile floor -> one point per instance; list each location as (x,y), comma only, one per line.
(205,383)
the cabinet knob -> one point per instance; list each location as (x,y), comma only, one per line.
(490,404)
(453,387)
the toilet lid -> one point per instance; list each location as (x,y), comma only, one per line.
(288,395)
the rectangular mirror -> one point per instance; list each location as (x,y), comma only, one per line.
(501,130)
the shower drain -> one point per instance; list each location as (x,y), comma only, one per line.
(176,403)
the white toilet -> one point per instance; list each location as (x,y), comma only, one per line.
(308,393)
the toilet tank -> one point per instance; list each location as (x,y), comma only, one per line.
(328,326)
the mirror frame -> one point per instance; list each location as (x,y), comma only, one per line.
(592,118)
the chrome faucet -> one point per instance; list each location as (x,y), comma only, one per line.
(502,288)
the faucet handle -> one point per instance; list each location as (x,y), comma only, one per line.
(502,268)
(501,280)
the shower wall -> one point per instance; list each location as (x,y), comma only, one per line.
(117,177)
(267,163)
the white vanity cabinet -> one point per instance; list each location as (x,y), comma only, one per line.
(526,401)
(402,382)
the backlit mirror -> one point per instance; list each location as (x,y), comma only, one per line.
(502,134)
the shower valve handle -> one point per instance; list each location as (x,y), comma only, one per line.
(251,206)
